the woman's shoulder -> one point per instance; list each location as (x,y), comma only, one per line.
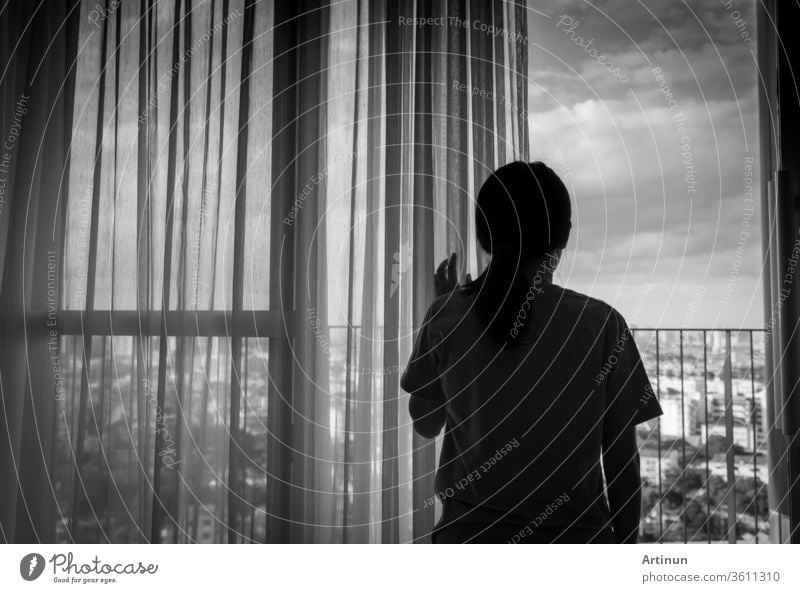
(455,301)
(446,310)
(591,307)
(584,300)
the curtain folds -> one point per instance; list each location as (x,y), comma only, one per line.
(38,47)
(236,208)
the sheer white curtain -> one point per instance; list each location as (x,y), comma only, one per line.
(253,197)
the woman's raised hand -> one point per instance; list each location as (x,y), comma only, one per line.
(446,278)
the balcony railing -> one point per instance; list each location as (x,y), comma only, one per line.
(703,463)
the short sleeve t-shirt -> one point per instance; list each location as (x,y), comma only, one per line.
(525,427)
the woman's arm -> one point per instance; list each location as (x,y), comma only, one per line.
(621,466)
(629,401)
(426,405)
(428,414)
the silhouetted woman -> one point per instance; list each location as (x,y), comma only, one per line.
(536,385)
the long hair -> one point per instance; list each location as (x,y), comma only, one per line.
(523,213)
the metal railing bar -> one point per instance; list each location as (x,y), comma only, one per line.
(683,442)
(708,469)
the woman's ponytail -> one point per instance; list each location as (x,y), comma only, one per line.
(499,295)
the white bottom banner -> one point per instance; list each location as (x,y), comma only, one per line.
(373,568)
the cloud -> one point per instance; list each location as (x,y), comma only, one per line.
(619,148)
(656,24)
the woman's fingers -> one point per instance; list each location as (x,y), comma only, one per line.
(439,279)
(441,268)
(441,271)
(452,274)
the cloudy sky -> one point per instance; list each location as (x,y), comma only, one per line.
(665,249)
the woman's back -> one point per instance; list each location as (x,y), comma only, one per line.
(524,426)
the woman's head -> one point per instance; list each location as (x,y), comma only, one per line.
(523,215)
(526,207)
